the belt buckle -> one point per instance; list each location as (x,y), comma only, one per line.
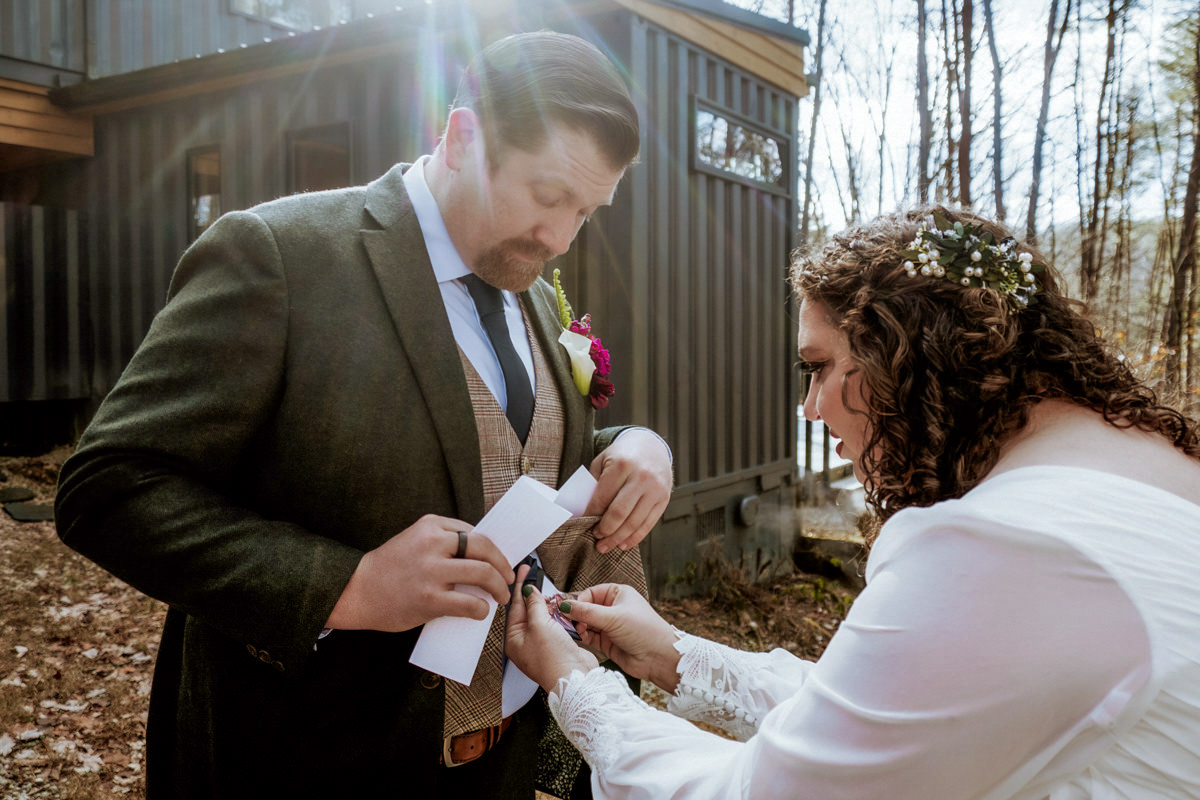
(447,753)
(489,737)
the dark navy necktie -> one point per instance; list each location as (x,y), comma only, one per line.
(490,305)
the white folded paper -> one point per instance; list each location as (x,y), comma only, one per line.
(520,521)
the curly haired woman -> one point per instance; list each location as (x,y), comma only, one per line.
(1029,625)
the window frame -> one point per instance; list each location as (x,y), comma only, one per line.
(193,230)
(292,135)
(232,5)
(697,104)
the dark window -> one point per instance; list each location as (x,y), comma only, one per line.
(204,189)
(726,145)
(301,15)
(319,158)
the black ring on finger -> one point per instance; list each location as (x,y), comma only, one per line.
(461,552)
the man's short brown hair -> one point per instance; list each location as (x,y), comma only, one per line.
(522,84)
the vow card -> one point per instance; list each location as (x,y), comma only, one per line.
(517,524)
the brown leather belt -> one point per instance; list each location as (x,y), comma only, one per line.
(466,747)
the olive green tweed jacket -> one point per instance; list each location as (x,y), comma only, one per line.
(297,402)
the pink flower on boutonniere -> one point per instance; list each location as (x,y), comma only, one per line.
(591,363)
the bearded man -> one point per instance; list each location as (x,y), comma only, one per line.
(339,387)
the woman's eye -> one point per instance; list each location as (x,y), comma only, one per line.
(811,368)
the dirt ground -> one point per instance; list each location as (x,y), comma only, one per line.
(77,650)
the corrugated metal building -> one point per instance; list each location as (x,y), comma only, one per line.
(127,127)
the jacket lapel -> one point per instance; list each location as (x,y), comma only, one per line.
(401,263)
(541,306)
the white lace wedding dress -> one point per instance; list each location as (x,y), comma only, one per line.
(1039,638)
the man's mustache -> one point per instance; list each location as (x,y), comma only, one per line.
(530,250)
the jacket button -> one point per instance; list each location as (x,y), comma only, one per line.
(264,656)
(252,650)
(431,680)
(277,665)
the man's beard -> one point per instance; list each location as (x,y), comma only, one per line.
(500,267)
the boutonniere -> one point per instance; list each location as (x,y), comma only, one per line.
(591,364)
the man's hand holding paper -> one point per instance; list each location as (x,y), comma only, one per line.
(519,522)
(415,577)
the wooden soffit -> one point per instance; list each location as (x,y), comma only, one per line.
(769,57)
(35,131)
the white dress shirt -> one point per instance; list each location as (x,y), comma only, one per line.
(448,267)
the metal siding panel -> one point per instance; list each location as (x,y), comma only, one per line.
(705,348)
(256,141)
(8,27)
(682,303)
(640,363)
(97,374)
(720,336)
(659,323)
(137,205)
(42,32)
(751,278)
(26,23)
(114,357)
(75,383)
(158,209)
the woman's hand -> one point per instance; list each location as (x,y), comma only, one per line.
(616,620)
(537,644)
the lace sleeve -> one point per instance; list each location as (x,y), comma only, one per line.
(591,708)
(732,689)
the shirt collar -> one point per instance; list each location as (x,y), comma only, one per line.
(447,263)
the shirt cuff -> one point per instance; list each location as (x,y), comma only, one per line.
(670,454)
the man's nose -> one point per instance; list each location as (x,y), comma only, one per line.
(557,235)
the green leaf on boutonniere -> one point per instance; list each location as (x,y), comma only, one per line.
(565,314)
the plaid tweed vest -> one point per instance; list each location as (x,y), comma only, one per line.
(568,556)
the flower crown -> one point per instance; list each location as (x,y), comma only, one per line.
(969,255)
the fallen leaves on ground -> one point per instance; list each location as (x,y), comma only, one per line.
(76,653)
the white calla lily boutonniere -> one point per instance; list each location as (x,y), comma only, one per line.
(591,363)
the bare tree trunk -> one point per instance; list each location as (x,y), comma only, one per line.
(812,129)
(950,58)
(1049,58)
(1185,259)
(926,116)
(853,183)
(1091,246)
(964,103)
(997,115)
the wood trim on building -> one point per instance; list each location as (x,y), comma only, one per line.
(768,57)
(34,130)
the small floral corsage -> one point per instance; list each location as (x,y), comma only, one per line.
(591,364)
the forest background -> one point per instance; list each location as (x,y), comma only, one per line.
(1074,122)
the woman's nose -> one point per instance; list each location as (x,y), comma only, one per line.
(810,405)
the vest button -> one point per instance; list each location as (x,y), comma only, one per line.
(526,465)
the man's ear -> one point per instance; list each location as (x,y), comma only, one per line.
(464,138)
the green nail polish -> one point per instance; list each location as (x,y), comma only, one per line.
(565,607)
(526,590)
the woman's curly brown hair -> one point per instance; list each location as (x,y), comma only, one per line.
(950,373)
